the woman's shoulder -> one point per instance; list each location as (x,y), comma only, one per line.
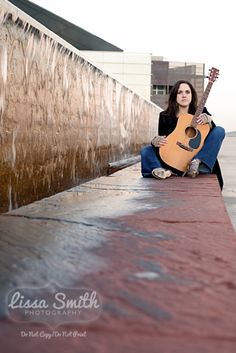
(164,114)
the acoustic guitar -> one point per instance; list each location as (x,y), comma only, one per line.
(188,137)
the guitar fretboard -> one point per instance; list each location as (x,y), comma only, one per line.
(202,102)
(213,75)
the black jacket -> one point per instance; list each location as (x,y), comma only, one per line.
(168,123)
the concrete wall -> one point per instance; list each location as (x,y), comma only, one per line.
(62,120)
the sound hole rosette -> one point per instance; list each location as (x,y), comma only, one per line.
(191,131)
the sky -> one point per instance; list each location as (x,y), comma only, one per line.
(200,31)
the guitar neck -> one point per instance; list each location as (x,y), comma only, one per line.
(203,100)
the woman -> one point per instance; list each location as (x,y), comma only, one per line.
(182,100)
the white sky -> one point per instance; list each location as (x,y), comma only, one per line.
(191,31)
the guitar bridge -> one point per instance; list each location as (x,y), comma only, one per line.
(187,148)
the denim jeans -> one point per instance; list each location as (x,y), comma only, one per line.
(207,155)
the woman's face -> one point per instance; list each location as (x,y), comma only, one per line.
(184,95)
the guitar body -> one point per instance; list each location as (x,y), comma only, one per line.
(183,143)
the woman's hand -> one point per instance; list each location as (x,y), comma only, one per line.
(204,119)
(159,141)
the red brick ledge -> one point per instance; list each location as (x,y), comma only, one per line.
(168,275)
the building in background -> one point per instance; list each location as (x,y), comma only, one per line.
(149,76)
(133,70)
(166,73)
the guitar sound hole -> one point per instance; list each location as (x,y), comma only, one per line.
(190,131)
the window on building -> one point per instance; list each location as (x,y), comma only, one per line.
(159,90)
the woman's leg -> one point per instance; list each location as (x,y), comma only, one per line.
(149,161)
(209,152)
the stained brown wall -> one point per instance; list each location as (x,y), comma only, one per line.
(62,119)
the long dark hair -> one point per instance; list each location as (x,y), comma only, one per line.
(172,108)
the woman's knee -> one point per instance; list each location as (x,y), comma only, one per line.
(219,131)
(146,150)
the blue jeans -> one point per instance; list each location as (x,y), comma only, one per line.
(207,155)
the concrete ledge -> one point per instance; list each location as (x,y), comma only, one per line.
(121,164)
(160,253)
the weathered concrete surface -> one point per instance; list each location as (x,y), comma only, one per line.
(160,253)
(62,119)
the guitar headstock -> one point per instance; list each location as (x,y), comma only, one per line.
(213,74)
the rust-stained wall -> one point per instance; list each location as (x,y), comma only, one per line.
(61,118)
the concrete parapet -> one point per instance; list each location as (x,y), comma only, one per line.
(62,120)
